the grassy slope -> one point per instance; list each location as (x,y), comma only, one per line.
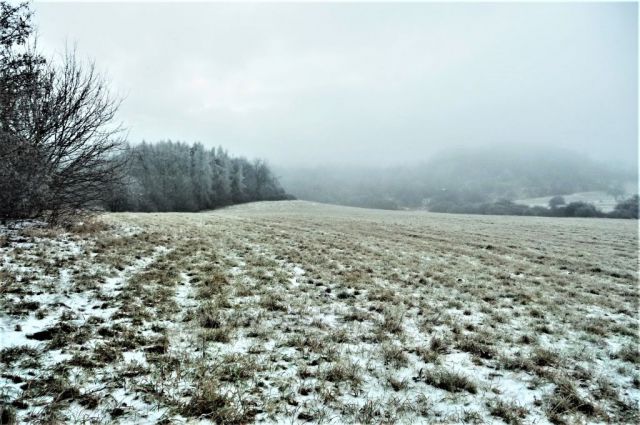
(298,311)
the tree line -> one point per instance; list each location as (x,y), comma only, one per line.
(627,208)
(175,176)
(62,151)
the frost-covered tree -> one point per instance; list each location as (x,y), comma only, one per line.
(174,176)
(201,176)
(238,186)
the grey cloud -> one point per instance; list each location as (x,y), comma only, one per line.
(364,83)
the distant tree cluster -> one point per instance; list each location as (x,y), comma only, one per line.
(557,208)
(627,208)
(174,176)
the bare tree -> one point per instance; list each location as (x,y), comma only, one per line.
(73,129)
(57,137)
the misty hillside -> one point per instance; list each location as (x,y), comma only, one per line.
(473,175)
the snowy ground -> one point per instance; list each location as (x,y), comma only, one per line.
(290,312)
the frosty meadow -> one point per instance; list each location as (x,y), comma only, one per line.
(291,312)
(326,213)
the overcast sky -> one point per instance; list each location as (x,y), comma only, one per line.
(364,83)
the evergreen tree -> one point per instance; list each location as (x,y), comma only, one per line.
(174,176)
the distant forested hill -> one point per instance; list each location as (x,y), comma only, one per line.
(470,176)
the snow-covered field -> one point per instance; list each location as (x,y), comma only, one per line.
(290,312)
